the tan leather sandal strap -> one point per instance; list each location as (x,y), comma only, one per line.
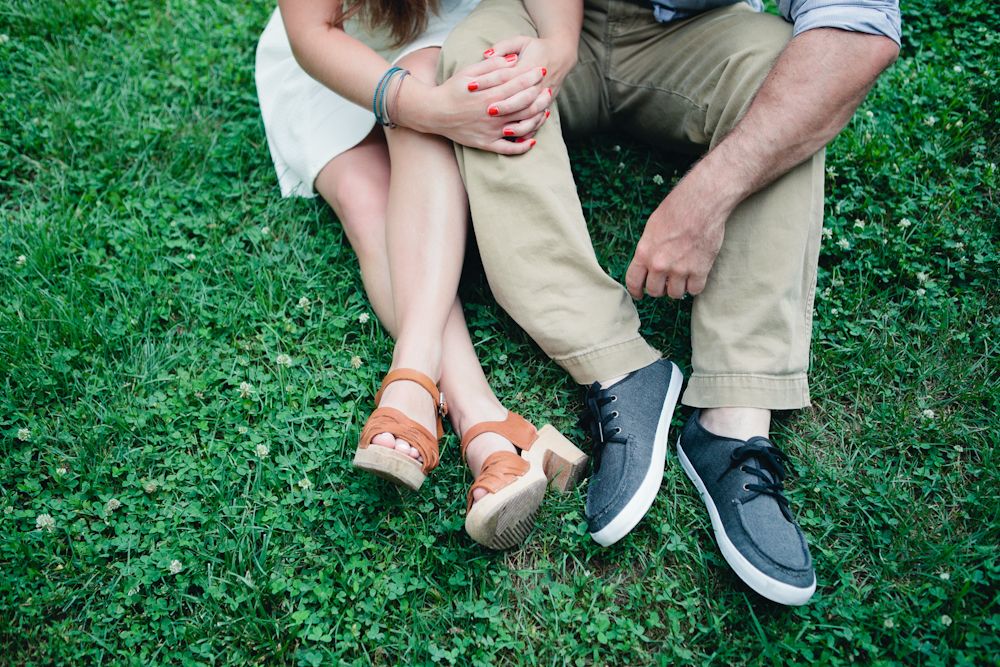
(515,428)
(424,381)
(499,470)
(391,420)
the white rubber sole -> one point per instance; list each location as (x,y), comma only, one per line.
(632,513)
(766,586)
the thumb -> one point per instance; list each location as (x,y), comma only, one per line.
(509,45)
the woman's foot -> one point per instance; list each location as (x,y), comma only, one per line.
(484,445)
(413,401)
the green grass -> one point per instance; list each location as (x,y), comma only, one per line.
(161,270)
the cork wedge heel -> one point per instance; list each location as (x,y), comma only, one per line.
(387,463)
(516,484)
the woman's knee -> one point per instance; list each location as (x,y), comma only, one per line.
(359,198)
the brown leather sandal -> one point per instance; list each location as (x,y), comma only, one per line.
(516,484)
(388,463)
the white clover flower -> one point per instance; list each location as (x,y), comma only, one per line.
(930,121)
(889,624)
(242,430)
(827,233)
(62,470)
(859,224)
(304,302)
(928,414)
(922,276)
(45,522)
(305,484)
(837,282)
(245,389)
(944,576)
(265,230)
(262,451)
(617,148)
(283,360)
(869,114)
(191,256)
(621,165)
(945,620)
(957,68)
(844,243)
(356,362)
(133,591)
(4,38)
(150,486)
(658,179)
(363,318)
(921,291)
(112,505)
(960,246)
(21,259)
(24,434)
(175,567)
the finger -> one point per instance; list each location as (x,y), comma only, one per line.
(524,103)
(510,45)
(656,283)
(696,285)
(494,78)
(526,127)
(635,278)
(515,87)
(676,285)
(504,147)
(540,105)
(486,66)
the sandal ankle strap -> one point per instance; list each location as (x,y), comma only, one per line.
(515,428)
(411,375)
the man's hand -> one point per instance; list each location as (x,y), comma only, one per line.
(679,244)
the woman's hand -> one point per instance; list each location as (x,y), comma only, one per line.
(557,56)
(489,105)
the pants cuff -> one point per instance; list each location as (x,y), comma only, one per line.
(769,392)
(611,361)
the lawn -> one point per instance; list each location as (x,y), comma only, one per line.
(186,360)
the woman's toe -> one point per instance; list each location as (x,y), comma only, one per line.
(385,440)
(404,447)
(478,494)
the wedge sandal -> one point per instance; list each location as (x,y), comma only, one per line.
(515,484)
(387,463)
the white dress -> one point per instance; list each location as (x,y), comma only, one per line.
(307,124)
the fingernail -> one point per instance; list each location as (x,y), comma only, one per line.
(488,53)
(544,71)
(510,57)
(508,132)
(473,86)
(493,111)
(532,144)
(547,113)
(520,140)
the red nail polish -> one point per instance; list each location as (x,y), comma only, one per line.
(473,86)
(488,53)
(544,71)
(532,144)
(510,57)
(547,113)
(508,132)
(520,140)
(493,111)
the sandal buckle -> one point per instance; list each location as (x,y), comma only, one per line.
(442,405)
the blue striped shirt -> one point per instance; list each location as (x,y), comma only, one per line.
(874,17)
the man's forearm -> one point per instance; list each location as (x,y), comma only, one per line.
(812,91)
(559,22)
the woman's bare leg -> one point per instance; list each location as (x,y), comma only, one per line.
(356,186)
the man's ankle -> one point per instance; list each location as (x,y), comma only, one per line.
(738,423)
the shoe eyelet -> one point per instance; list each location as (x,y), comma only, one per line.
(614,414)
(743,468)
(614,399)
(745,488)
(617,431)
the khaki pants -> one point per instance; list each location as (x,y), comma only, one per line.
(679,87)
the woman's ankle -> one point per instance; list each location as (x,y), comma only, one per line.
(464,412)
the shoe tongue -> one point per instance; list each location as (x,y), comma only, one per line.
(760,440)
